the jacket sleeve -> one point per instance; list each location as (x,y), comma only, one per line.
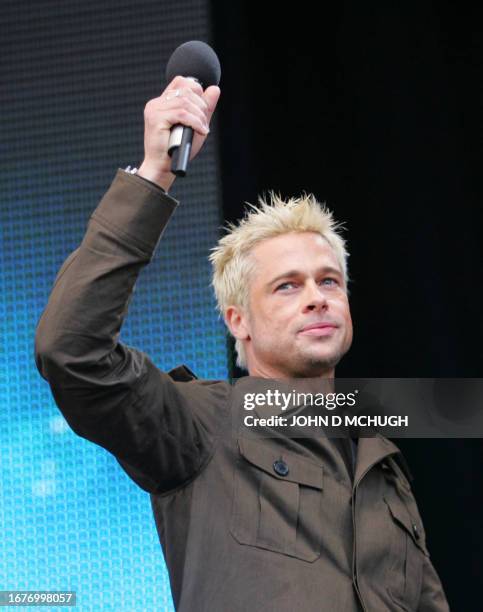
(162,431)
(432,597)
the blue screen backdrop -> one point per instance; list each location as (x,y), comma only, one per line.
(75,79)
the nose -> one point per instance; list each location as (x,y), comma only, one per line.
(315,298)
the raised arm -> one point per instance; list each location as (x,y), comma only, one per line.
(161,431)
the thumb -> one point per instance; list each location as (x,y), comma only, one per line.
(211,97)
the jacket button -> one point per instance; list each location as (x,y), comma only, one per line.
(416,531)
(280,467)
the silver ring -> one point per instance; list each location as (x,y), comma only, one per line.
(175,94)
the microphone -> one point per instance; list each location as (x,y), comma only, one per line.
(195,60)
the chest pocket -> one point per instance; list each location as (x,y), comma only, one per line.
(408,540)
(277,500)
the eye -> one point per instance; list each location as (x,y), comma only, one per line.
(331,279)
(283,285)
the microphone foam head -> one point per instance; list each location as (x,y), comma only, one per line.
(194,59)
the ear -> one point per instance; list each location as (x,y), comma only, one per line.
(237,323)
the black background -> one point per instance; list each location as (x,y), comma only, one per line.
(376,109)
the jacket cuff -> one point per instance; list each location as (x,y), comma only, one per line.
(135,209)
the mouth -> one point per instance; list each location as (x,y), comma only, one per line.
(322,329)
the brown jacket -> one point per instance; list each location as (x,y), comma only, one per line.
(238,534)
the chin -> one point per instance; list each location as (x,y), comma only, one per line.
(322,360)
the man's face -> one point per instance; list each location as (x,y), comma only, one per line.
(297,284)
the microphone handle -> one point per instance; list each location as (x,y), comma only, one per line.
(179,146)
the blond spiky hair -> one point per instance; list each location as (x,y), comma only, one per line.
(231,261)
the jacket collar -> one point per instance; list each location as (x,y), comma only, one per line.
(371,451)
(182,373)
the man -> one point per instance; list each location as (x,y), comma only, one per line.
(246,524)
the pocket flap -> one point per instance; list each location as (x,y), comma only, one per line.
(264,456)
(401,515)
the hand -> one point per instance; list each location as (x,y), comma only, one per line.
(184,102)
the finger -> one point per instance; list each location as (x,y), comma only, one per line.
(184,117)
(180,82)
(198,99)
(211,97)
(189,94)
(192,105)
